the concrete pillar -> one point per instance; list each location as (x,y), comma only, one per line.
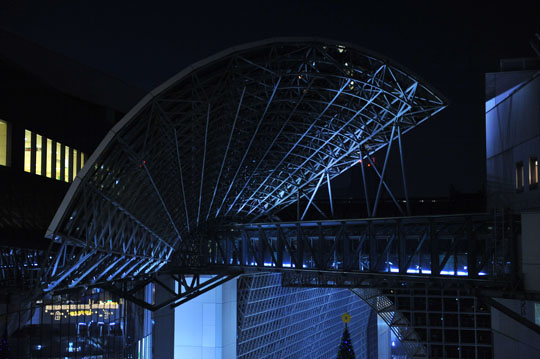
(163,331)
(205,327)
(383,332)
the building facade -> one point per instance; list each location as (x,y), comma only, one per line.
(513,135)
(53,113)
(512,154)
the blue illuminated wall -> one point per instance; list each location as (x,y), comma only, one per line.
(277,322)
(512,136)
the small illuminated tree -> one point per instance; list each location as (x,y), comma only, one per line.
(346,350)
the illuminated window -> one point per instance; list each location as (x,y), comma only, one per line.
(27,151)
(66,164)
(38,154)
(82,160)
(533,172)
(75,163)
(58,174)
(537,313)
(519,176)
(3,143)
(49,158)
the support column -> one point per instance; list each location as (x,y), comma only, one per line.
(205,327)
(383,333)
(164,325)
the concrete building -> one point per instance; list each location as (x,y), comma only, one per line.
(53,113)
(512,153)
(513,135)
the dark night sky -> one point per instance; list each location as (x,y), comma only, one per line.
(144,43)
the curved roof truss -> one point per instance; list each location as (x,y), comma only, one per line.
(234,137)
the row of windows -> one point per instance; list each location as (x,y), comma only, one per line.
(533,174)
(51,159)
(43,156)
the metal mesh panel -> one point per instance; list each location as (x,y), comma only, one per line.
(397,322)
(434,323)
(277,322)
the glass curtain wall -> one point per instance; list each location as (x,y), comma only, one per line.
(97,324)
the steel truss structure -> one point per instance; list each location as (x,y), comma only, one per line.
(191,180)
(397,322)
(233,138)
(478,248)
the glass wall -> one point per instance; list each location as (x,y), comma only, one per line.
(49,158)
(3,143)
(93,325)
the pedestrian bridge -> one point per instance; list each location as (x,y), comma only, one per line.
(478,247)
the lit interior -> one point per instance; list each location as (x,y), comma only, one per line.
(66,164)
(27,151)
(75,163)
(58,161)
(38,153)
(49,159)
(3,143)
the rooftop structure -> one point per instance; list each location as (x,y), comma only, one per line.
(234,137)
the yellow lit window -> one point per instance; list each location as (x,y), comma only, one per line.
(66,164)
(58,161)
(75,168)
(27,151)
(49,158)
(3,143)
(82,160)
(38,154)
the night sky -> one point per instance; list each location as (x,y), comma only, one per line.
(450,47)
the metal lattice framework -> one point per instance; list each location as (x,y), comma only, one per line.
(235,137)
(278,322)
(431,322)
(396,321)
(479,248)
